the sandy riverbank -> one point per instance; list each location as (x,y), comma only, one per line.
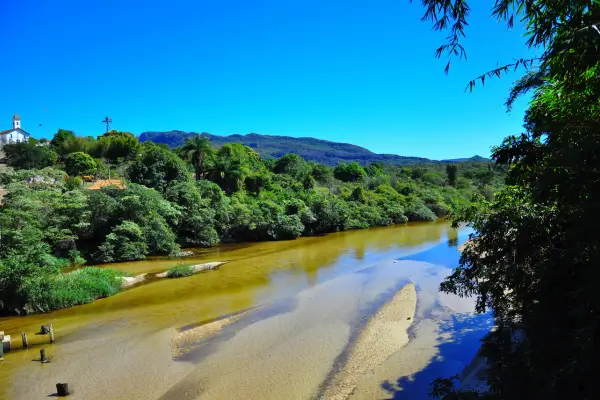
(187,340)
(383,335)
(108,365)
(311,345)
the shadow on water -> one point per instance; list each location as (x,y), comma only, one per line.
(445,254)
(205,347)
(356,327)
(460,338)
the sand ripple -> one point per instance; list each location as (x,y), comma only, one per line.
(384,334)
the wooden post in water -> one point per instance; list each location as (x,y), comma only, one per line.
(43,355)
(4,342)
(1,345)
(51,333)
(62,389)
(24,338)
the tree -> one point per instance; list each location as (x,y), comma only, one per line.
(535,243)
(418,173)
(229,174)
(60,137)
(198,151)
(352,172)
(77,145)
(291,164)
(115,145)
(155,167)
(359,195)
(257,182)
(321,172)
(126,243)
(233,163)
(451,174)
(79,163)
(197,224)
(375,169)
(28,155)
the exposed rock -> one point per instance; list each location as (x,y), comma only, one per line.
(40,179)
(129,281)
(198,268)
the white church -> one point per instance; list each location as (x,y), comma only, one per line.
(16,134)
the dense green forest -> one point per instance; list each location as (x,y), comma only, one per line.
(533,260)
(194,195)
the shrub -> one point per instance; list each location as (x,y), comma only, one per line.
(76,258)
(320,172)
(434,178)
(292,164)
(125,243)
(26,287)
(358,195)
(27,155)
(83,286)
(286,227)
(416,210)
(407,188)
(23,284)
(155,167)
(352,172)
(439,209)
(73,183)
(395,212)
(180,271)
(80,163)
(159,237)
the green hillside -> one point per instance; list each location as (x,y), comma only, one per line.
(311,149)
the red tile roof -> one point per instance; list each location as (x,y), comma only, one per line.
(99,184)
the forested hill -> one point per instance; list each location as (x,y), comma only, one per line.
(311,149)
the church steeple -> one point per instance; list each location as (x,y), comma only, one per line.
(16,122)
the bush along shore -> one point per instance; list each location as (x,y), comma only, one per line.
(161,200)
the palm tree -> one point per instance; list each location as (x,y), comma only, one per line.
(198,150)
(228,173)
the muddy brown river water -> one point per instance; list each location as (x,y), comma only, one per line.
(281,320)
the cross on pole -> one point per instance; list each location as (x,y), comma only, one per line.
(107,121)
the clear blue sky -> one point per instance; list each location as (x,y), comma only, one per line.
(354,71)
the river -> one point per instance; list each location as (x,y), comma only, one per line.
(320,317)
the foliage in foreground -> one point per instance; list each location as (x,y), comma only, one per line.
(180,271)
(534,257)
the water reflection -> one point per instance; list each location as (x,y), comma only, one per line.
(258,273)
(453,242)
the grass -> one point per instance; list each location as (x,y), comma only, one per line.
(83,286)
(180,271)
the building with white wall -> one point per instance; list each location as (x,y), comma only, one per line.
(16,134)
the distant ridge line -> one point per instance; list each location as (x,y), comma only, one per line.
(311,149)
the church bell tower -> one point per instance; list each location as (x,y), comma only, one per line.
(16,122)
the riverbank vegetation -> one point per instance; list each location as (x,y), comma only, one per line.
(180,271)
(191,196)
(533,260)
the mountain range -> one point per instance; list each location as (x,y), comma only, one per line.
(311,149)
